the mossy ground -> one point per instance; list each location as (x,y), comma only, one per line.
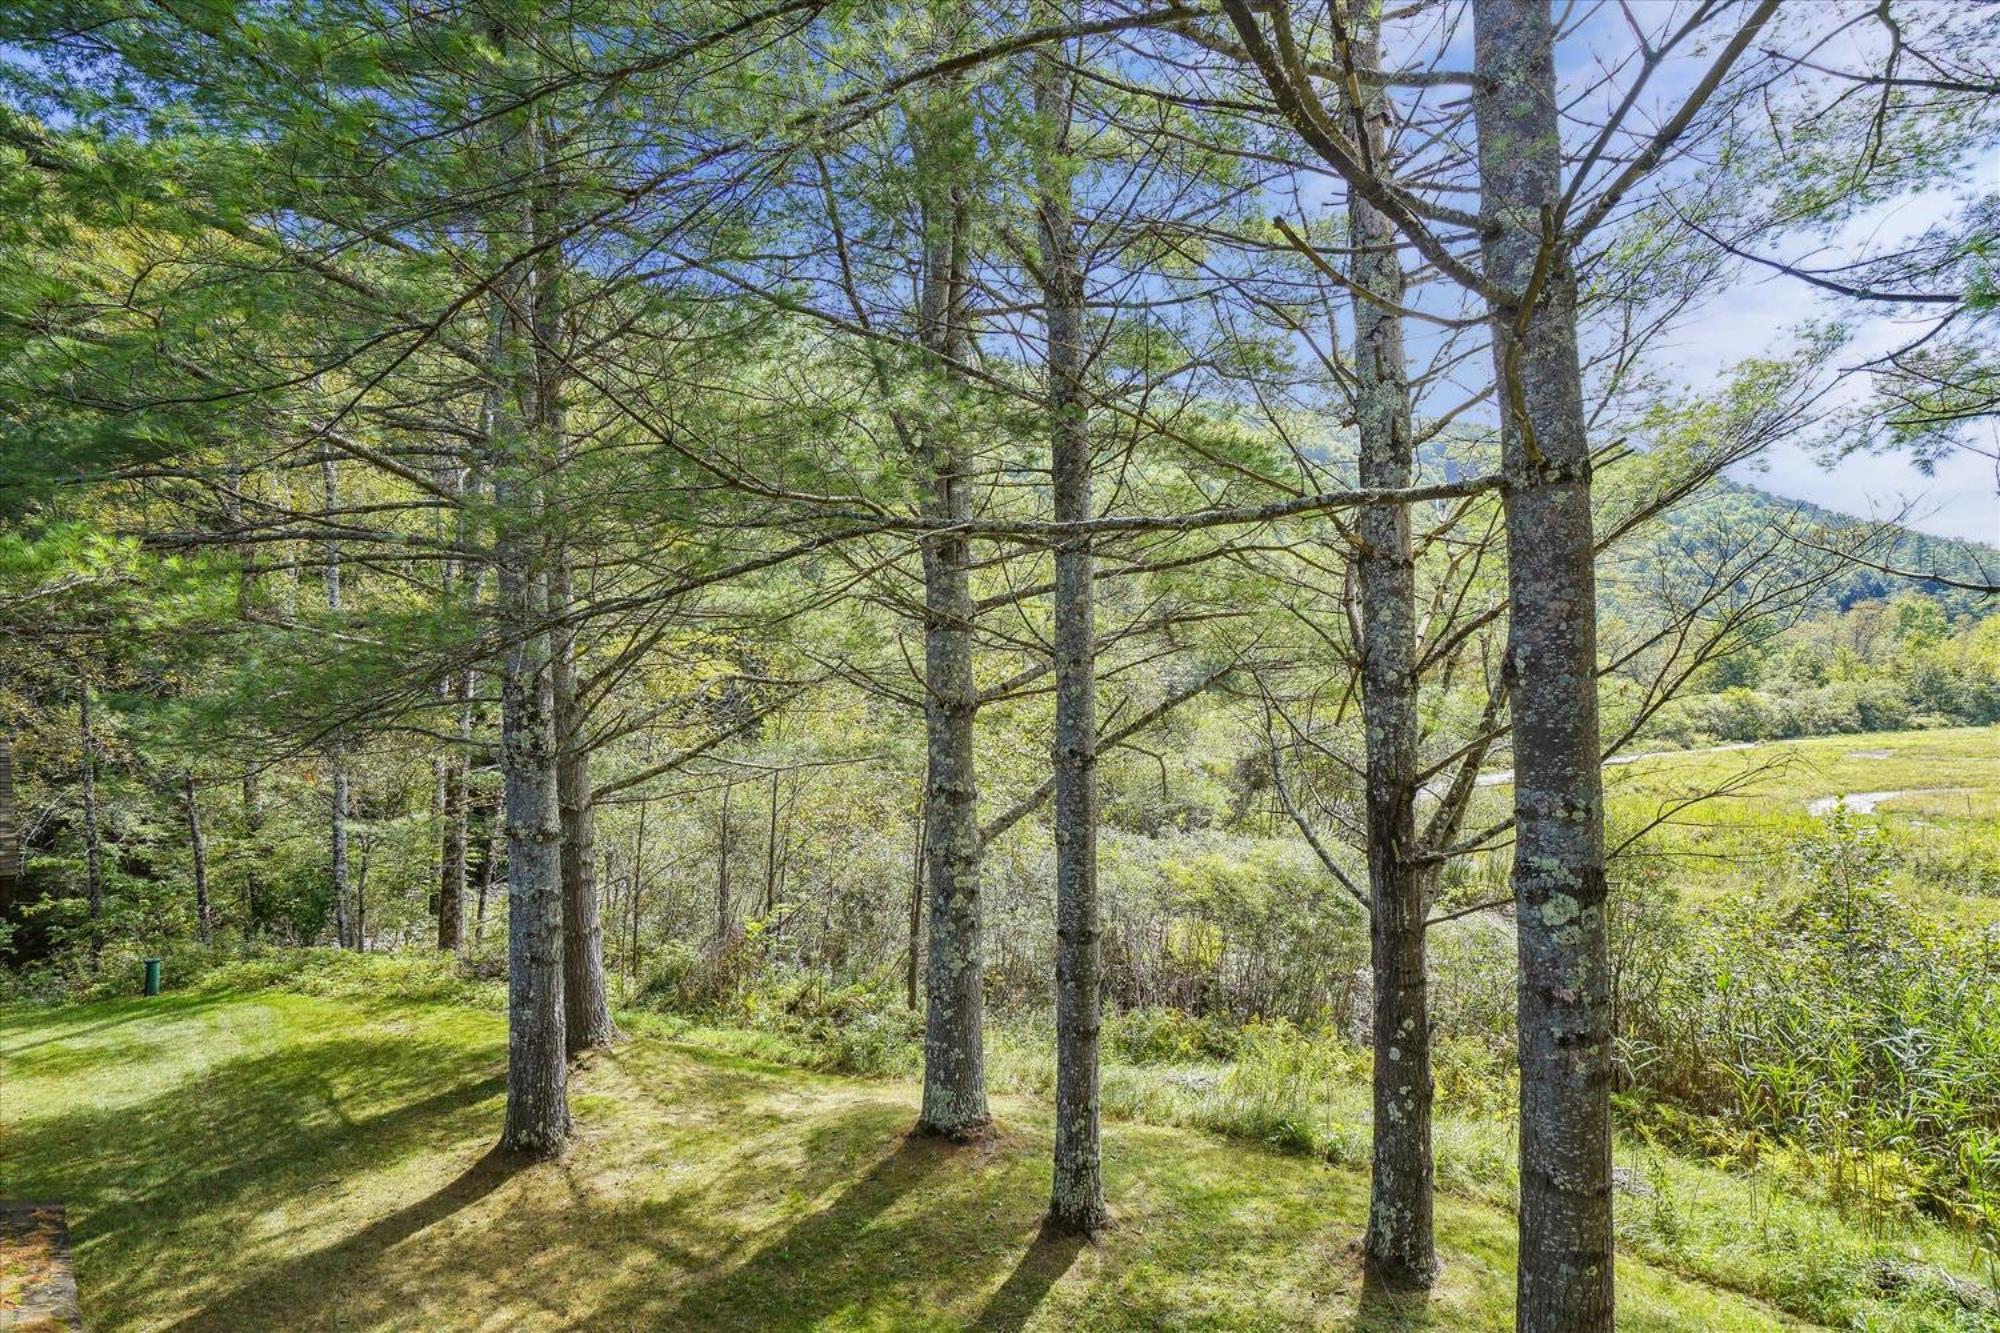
(279,1161)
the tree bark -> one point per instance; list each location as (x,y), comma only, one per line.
(253,825)
(537,1068)
(954,1102)
(724,912)
(329,470)
(1400,1250)
(93,847)
(458,691)
(914,961)
(452,858)
(638,889)
(538,1119)
(483,820)
(1076,1202)
(361,895)
(1565,1266)
(10,831)
(771,862)
(342,798)
(198,845)
(246,601)
(586,1004)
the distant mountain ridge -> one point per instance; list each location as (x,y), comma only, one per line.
(1742,508)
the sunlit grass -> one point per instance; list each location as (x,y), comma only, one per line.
(1947,822)
(279,1161)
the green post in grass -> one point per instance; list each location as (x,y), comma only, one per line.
(152,976)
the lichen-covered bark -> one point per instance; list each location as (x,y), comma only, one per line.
(10,829)
(1565,1271)
(914,959)
(537,1066)
(586,1005)
(1400,1249)
(1076,1201)
(538,1119)
(954,1020)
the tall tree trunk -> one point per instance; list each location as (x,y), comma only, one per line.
(1565,1274)
(538,1119)
(198,845)
(914,960)
(1076,1202)
(537,1111)
(537,1068)
(253,825)
(361,894)
(10,831)
(771,854)
(954,1101)
(638,888)
(246,602)
(452,858)
(1400,1251)
(458,691)
(486,841)
(586,1006)
(343,934)
(93,845)
(724,912)
(329,471)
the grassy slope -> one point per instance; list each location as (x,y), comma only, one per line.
(1950,819)
(273,1161)
(1951,814)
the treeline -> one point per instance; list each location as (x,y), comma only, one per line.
(1879,666)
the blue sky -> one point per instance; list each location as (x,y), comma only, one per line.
(1760,313)
(1962,497)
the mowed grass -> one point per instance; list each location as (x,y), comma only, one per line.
(278,1161)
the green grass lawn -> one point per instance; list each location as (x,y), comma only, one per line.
(279,1161)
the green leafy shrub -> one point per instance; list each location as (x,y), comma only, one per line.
(1837,1022)
(1169,1037)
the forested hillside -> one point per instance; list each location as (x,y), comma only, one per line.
(1044,563)
(1735,506)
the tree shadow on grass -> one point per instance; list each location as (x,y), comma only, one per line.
(257,1303)
(182,1171)
(159,1008)
(252,1124)
(825,1262)
(1049,1257)
(1381,1310)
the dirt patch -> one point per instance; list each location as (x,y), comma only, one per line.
(37,1284)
